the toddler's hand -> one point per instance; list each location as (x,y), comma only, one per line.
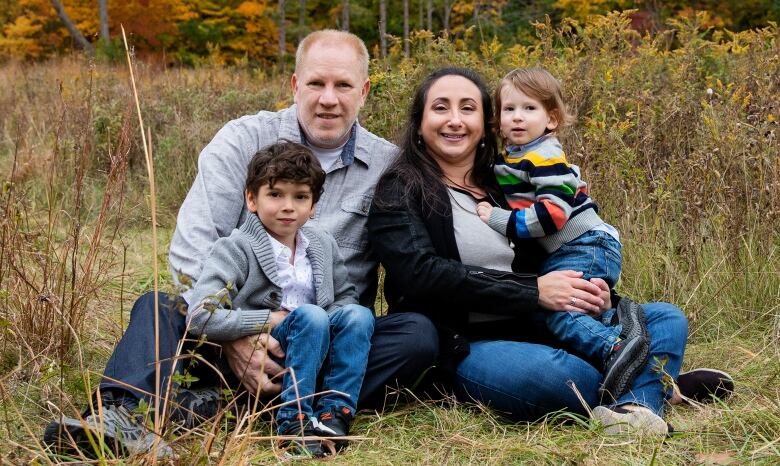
(483,210)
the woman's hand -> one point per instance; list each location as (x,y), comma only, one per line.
(483,210)
(566,290)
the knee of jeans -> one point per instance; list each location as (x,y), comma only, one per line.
(357,317)
(143,306)
(420,344)
(673,318)
(312,315)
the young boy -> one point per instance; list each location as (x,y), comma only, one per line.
(550,202)
(273,274)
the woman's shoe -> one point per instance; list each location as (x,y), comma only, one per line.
(703,385)
(630,419)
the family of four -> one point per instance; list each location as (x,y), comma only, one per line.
(499,271)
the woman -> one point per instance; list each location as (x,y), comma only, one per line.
(481,291)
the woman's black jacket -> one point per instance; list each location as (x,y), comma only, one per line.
(424,274)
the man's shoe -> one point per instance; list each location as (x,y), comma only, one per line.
(192,407)
(703,385)
(303,441)
(629,355)
(122,432)
(335,423)
(630,419)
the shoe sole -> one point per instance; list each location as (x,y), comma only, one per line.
(617,380)
(636,422)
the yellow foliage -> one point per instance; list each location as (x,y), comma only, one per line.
(18,39)
(251,9)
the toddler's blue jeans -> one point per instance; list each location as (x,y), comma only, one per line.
(596,254)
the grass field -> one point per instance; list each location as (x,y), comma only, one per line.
(677,135)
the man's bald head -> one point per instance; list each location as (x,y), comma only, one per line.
(331,36)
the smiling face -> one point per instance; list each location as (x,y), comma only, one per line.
(523,118)
(329,88)
(452,122)
(282,208)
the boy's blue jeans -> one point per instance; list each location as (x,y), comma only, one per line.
(333,346)
(597,255)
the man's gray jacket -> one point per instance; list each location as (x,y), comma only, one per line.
(215,204)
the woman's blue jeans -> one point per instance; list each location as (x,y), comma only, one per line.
(333,346)
(529,380)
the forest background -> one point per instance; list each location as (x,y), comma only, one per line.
(677,135)
(260,32)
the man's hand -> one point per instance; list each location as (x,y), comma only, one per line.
(483,210)
(248,359)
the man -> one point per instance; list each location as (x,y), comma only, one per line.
(330,85)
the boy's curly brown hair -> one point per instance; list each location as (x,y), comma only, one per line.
(285,161)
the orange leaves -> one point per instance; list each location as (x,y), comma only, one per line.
(252,9)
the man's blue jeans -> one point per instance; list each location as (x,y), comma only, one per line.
(331,345)
(596,254)
(530,380)
(404,345)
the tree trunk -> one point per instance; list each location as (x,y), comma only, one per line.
(382,28)
(302,15)
(421,23)
(103,8)
(77,35)
(430,15)
(476,11)
(345,15)
(447,9)
(406,28)
(282,31)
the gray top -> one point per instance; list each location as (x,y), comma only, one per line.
(478,244)
(239,285)
(215,203)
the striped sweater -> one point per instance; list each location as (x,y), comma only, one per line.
(548,198)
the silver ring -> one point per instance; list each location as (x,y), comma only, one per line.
(573,301)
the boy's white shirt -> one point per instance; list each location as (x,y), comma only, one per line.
(296,279)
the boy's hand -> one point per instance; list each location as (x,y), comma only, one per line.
(277,317)
(248,359)
(605,295)
(483,210)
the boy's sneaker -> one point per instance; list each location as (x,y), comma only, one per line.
(630,419)
(629,355)
(703,385)
(192,407)
(335,423)
(121,431)
(304,441)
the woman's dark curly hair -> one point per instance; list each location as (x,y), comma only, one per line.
(417,168)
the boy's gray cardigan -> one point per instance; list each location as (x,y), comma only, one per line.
(239,285)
